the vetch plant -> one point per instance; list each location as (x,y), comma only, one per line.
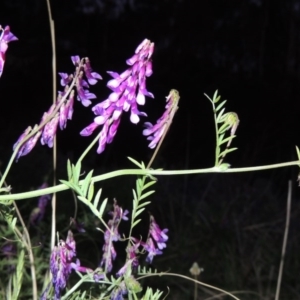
(114,276)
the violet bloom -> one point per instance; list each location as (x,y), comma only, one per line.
(29,145)
(132,252)
(5,37)
(62,263)
(150,247)
(155,132)
(62,110)
(117,293)
(156,240)
(82,85)
(132,259)
(112,235)
(128,91)
(160,236)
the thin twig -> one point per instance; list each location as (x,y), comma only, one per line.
(168,124)
(52,31)
(285,238)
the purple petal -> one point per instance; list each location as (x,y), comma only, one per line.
(89,129)
(75,59)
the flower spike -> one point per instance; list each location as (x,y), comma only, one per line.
(155,132)
(62,110)
(128,91)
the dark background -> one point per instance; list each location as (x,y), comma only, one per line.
(247,49)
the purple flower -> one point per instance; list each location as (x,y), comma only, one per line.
(128,91)
(83,95)
(65,78)
(62,110)
(150,247)
(29,145)
(5,37)
(132,252)
(117,293)
(76,60)
(98,275)
(123,270)
(112,235)
(156,240)
(50,131)
(62,263)
(155,132)
(91,76)
(157,234)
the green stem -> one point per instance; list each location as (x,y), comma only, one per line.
(217,150)
(85,152)
(217,169)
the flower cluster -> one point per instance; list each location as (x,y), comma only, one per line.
(62,110)
(38,213)
(62,263)
(128,90)
(155,132)
(112,235)
(5,37)
(156,240)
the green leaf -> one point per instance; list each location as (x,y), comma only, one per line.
(135,162)
(139,186)
(220,138)
(146,195)
(138,212)
(298,152)
(208,97)
(102,207)
(134,204)
(223,128)
(72,186)
(136,222)
(148,184)
(97,197)
(134,195)
(216,98)
(13,223)
(227,151)
(69,169)
(144,204)
(91,191)
(77,171)
(18,276)
(221,105)
(86,183)
(220,115)
(227,139)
